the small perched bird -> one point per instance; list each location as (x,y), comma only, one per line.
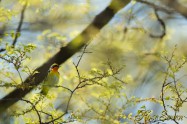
(51,79)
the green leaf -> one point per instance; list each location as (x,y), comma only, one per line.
(167,98)
(143,107)
(12,34)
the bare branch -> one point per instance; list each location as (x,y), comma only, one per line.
(60,57)
(20,25)
(18,30)
(157,7)
(37,112)
(174,4)
(163,25)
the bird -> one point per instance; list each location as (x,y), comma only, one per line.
(51,79)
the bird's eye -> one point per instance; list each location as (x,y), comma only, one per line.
(55,66)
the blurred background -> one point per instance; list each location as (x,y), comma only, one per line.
(137,38)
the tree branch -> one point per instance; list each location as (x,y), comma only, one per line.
(18,30)
(176,6)
(34,107)
(65,53)
(173,4)
(20,25)
(163,25)
(157,7)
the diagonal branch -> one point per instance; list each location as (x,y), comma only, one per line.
(163,25)
(34,107)
(176,6)
(64,53)
(172,6)
(157,7)
(18,30)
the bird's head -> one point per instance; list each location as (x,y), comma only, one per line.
(54,67)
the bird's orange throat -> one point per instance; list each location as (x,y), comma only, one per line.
(55,69)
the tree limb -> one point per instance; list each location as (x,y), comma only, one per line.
(157,7)
(163,25)
(176,6)
(65,53)
(18,28)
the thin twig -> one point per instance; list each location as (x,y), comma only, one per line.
(157,7)
(163,25)
(20,25)
(37,112)
(18,30)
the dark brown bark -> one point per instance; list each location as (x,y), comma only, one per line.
(65,52)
